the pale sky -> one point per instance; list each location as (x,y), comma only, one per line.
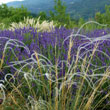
(6,1)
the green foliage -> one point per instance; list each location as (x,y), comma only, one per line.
(81,22)
(60,14)
(4,11)
(18,14)
(104,17)
(10,14)
(42,15)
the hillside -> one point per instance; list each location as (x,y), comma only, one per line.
(87,8)
(76,8)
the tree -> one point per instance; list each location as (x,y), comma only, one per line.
(13,14)
(60,13)
(4,11)
(42,15)
(18,14)
(103,18)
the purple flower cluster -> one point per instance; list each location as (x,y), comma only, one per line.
(50,43)
(42,42)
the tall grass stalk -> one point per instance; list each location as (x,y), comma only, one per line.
(90,100)
(39,67)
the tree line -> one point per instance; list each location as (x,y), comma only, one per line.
(11,14)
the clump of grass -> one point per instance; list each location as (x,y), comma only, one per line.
(44,26)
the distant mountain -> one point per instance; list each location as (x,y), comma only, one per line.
(76,8)
(35,6)
(87,8)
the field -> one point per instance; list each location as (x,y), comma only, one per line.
(46,67)
(54,62)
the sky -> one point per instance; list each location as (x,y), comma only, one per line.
(6,1)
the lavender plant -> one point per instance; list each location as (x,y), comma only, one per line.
(60,70)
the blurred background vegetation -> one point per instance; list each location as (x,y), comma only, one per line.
(58,15)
